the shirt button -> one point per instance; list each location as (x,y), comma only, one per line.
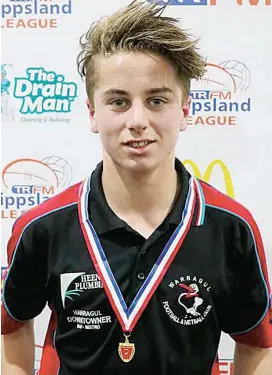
(141,276)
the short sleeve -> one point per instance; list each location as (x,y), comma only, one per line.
(247,316)
(24,291)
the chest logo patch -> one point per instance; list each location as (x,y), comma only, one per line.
(74,283)
(189,306)
(76,313)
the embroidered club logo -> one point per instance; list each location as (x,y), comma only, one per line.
(188,305)
(190,299)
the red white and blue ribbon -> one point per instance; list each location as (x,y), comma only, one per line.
(129,315)
(201,204)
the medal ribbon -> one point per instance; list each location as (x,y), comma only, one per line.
(128,316)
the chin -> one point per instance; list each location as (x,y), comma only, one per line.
(138,166)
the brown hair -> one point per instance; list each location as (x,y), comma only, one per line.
(140,27)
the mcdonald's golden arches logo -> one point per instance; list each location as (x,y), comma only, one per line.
(206,176)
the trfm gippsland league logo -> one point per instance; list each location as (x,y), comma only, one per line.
(213,2)
(29,182)
(221,95)
(39,95)
(34,14)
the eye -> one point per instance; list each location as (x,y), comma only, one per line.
(157,102)
(119,103)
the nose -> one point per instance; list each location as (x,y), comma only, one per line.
(137,117)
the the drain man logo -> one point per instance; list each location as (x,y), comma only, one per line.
(33,14)
(38,96)
(220,95)
(44,91)
(29,182)
(210,170)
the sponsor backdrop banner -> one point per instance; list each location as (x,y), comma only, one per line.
(47,143)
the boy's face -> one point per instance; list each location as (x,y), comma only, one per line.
(138,110)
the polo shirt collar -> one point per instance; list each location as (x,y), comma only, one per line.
(105,220)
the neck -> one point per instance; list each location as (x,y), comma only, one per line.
(147,196)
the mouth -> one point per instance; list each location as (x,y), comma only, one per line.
(138,144)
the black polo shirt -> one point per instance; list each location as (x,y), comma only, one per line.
(215,279)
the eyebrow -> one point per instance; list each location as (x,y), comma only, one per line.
(152,90)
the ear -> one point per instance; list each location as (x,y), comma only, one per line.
(185,113)
(92,116)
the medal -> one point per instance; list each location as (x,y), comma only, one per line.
(126,349)
(129,315)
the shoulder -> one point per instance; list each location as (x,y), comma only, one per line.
(224,205)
